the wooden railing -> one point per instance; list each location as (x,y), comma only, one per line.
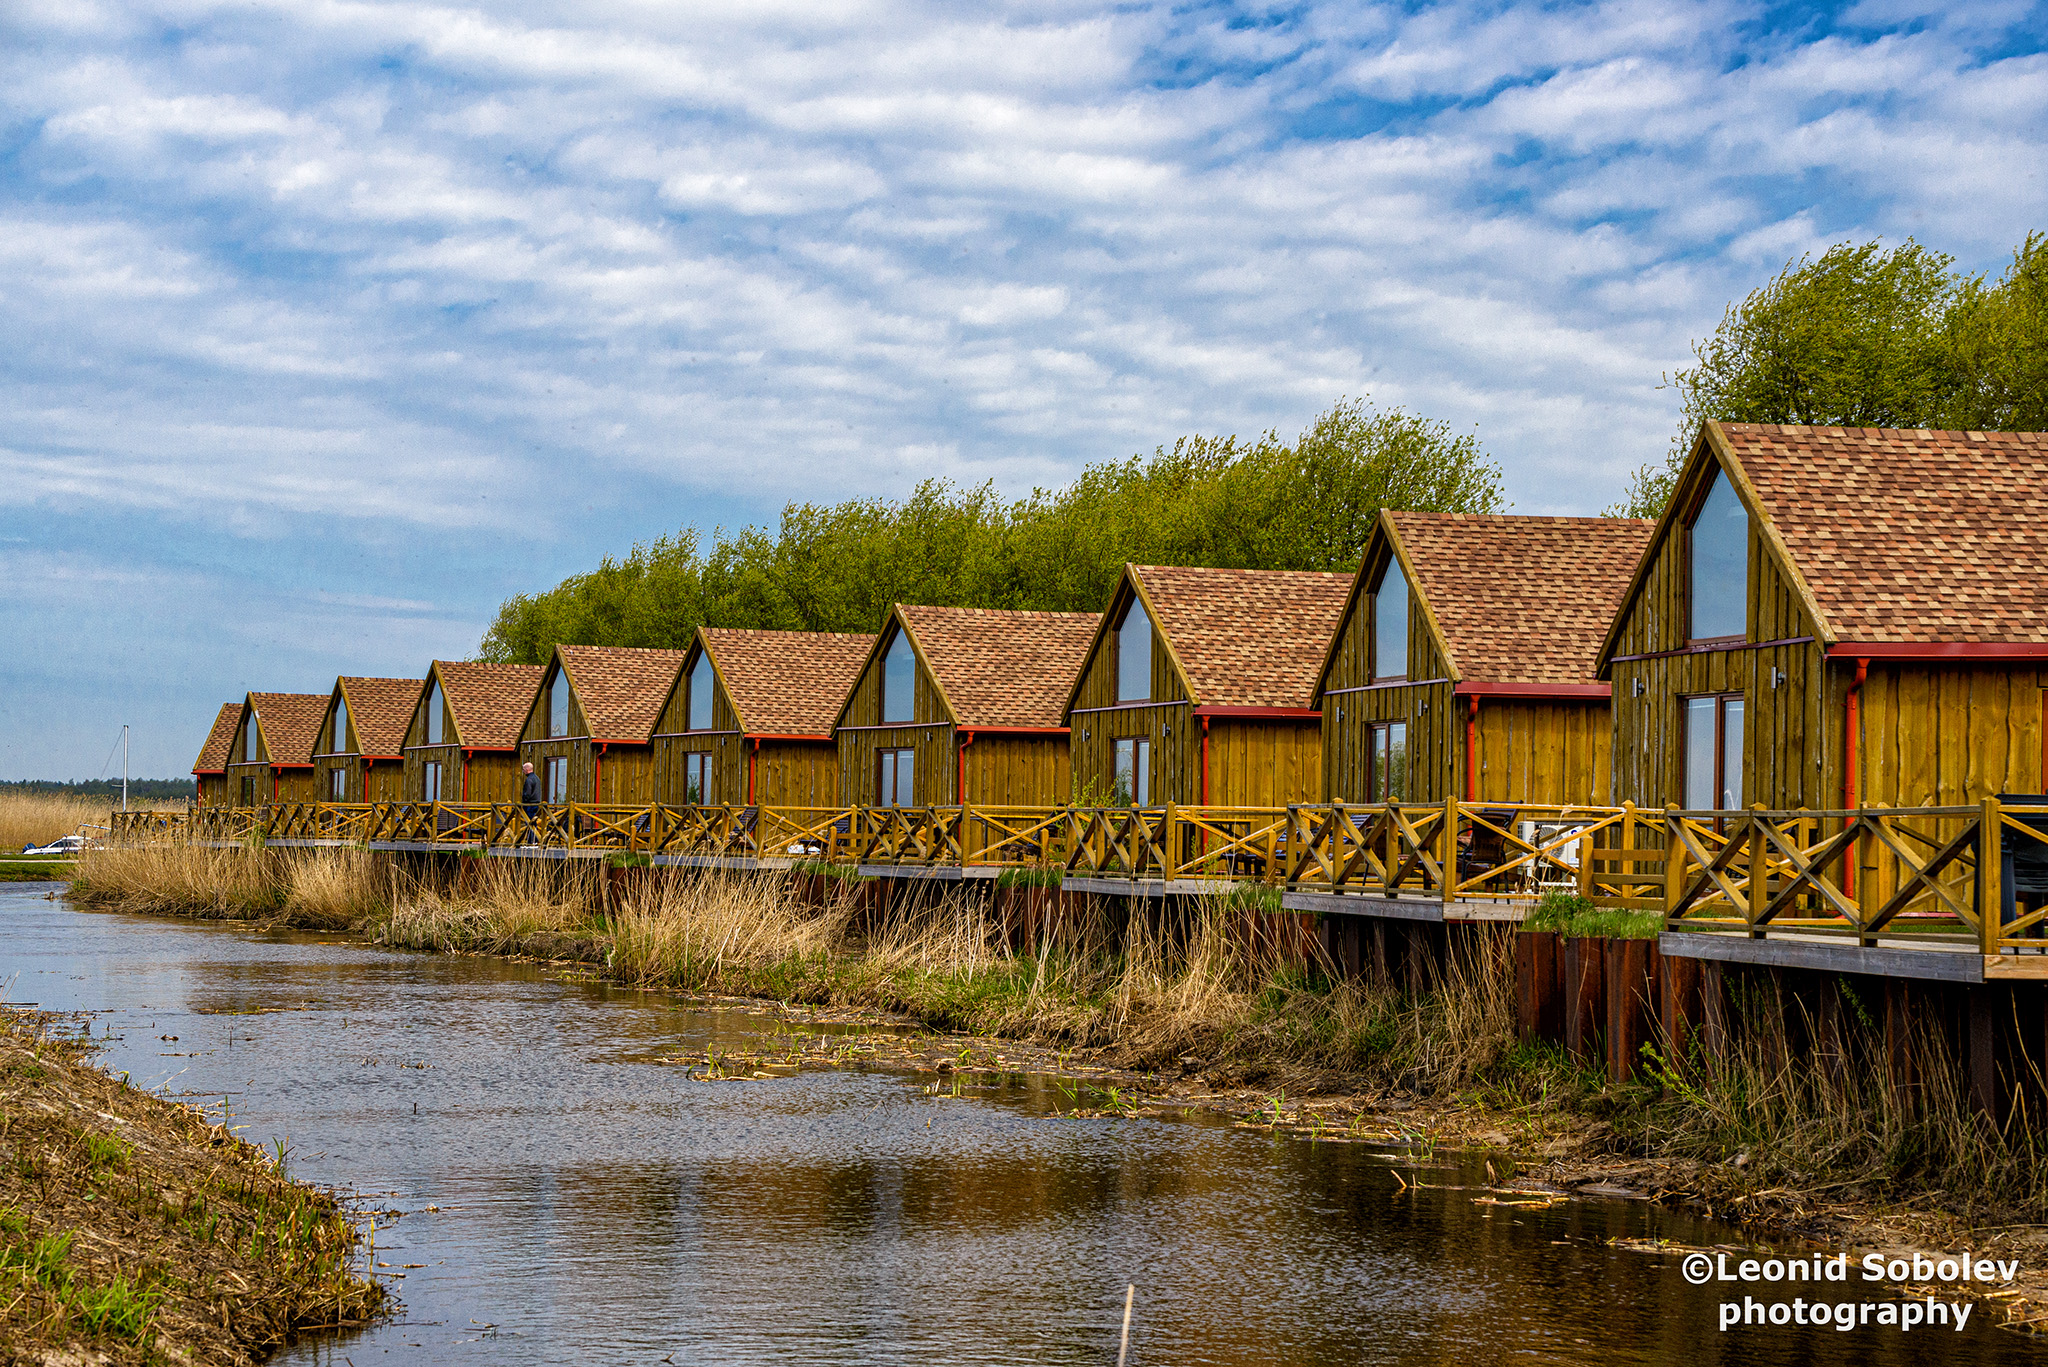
(1890,875)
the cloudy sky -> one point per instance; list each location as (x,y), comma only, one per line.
(329,324)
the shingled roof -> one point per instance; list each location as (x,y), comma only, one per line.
(621,688)
(381,710)
(489,702)
(1903,535)
(213,756)
(1521,599)
(1001,668)
(786,683)
(1245,638)
(290,723)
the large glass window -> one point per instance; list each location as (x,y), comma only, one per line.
(430,781)
(339,740)
(1390,624)
(252,747)
(1388,751)
(556,781)
(894,785)
(558,705)
(1134,655)
(431,729)
(1133,784)
(899,681)
(1713,754)
(696,778)
(337,785)
(699,718)
(1718,564)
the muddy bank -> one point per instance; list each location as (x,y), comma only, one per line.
(133,1231)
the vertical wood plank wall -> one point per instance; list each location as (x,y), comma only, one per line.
(1549,751)
(536,750)
(796,773)
(1017,770)
(213,790)
(1435,740)
(1263,762)
(1167,721)
(930,734)
(720,740)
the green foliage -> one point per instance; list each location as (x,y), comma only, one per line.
(103,1151)
(1575,915)
(1268,504)
(1865,337)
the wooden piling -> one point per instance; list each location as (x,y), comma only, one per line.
(1585,997)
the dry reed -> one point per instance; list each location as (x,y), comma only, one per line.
(193,880)
(39,818)
(497,906)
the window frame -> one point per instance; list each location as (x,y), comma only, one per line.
(338,728)
(1720,701)
(697,763)
(1373,673)
(1123,625)
(1375,746)
(430,780)
(890,763)
(557,688)
(1687,549)
(898,638)
(252,742)
(432,715)
(691,721)
(555,779)
(1140,747)
(337,783)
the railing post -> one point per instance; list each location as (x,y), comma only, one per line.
(1674,863)
(1447,845)
(1759,870)
(1169,843)
(1990,874)
(1625,873)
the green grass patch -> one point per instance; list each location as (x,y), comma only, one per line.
(1571,914)
(1030,878)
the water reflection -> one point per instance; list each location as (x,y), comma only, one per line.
(594,1206)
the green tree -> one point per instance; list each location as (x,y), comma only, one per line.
(1266,504)
(1869,338)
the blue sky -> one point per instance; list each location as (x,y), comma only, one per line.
(330,324)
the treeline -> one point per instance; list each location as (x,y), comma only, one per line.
(1865,337)
(1305,504)
(139,789)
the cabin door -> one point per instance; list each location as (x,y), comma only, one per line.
(894,782)
(1713,753)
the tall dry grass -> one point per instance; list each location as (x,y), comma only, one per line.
(191,880)
(39,818)
(498,906)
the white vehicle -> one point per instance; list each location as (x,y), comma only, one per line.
(70,844)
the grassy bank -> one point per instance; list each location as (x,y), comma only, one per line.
(1204,991)
(132,1231)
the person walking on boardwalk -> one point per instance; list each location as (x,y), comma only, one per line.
(529,798)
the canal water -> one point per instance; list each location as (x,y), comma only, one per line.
(569,1198)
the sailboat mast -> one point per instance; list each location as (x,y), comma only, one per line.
(124,767)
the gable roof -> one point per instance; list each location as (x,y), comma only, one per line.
(785,683)
(994,667)
(1515,599)
(213,756)
(1890,535)
(290,723)
(381,710)
(488,702)
(621,688)
(1243,638)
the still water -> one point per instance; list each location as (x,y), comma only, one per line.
(593,1205)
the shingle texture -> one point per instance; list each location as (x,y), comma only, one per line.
(787,683)
(213,756)
(1522,599)
(489,702)
(1909,536)
(381,709)
(621,687)
(291,724)
(1003,668)
(1246,638)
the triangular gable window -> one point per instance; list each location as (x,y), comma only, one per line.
(1717,564)
(1390,624)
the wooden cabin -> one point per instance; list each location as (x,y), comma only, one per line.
(1465,660)
(210,770)
(270,755)
(462,741)
(1837,617)
(955,703)
(360,756)
(749,719)
(1197,689)
(589,729)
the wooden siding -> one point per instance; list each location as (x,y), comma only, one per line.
(1551,751)
(933,771)
(1166,720)
(720,740)
(1263,762)
(1787,759)
(387,779)
(796,773)
(1436,739)
(1008,770)
(212,790)
(1939,736)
